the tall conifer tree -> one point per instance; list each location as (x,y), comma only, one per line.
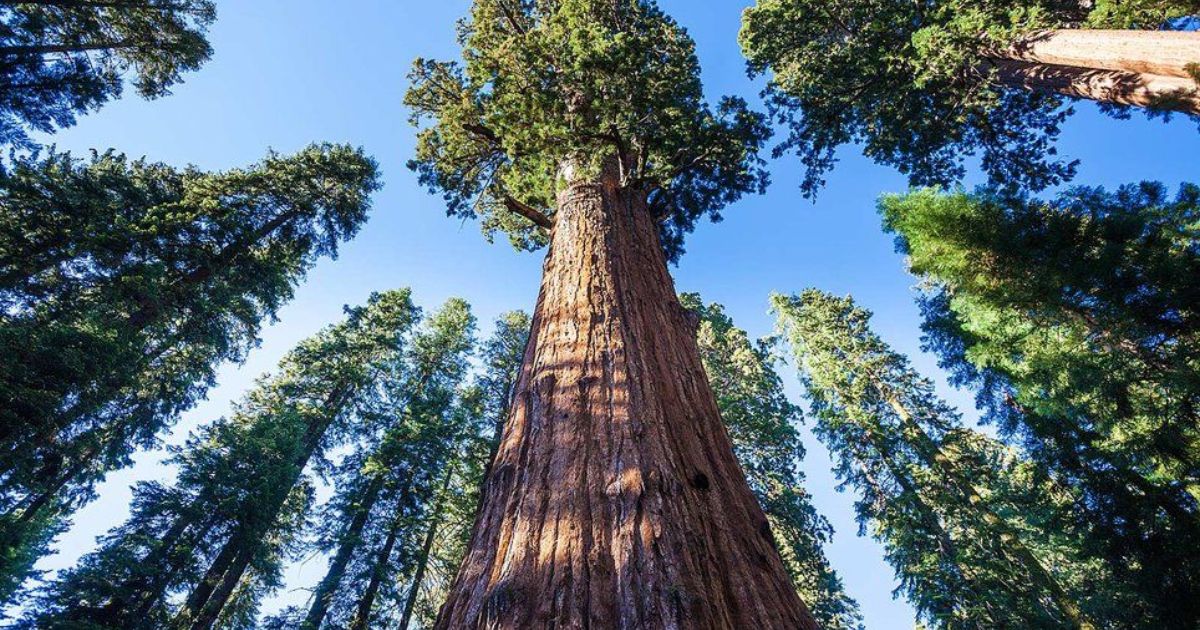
(219,534)
(614,498)
(969,544)
(1077,321)
(123,286)
(394,486)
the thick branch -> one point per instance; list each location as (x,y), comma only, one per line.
(66,48)
(529,212)
(482,132)
(98,4)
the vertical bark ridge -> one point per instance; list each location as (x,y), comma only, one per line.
(614,500)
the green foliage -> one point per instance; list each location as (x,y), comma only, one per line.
(488,402)
(123,285)
(394,482)
(908,81)
(761,423)
(1077,321)
(241,486)
(551,87)
(973,531)
(60,58)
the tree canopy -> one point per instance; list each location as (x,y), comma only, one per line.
(60,58)
(547,85)
(124,284)
(1075,319)
(910,82)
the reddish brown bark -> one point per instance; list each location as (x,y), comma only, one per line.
(615,500)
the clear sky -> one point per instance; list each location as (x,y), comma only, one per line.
(290,72)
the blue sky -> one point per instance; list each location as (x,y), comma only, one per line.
(290,72)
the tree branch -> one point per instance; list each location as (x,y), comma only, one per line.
(529,212)
(482,132)
(512,19)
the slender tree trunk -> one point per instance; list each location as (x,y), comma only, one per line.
(208,584)
(112,612)
(1126,67)
(435,522)
(220,596)
(927,515)
(362,616)
(932,453)
(615,500)
(162,580)
(337,568)
(210,595)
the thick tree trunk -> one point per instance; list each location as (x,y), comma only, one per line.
(1105,86)
(1126,67)
(615,500)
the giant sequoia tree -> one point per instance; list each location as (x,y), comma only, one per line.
(123,284)
(614,498)
(1077,320)
(971,530)
(59,58)
(218,536)
(921,85)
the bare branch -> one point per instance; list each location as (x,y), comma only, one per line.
(529,212)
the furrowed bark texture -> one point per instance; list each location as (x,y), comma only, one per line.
(615,500)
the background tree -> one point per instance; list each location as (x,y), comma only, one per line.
(123,286)
(762,424)
(963,521)
(240,501)
(59,58)
(448,537)
(582,122)
(392,490)
(923,85)
(1077,321)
